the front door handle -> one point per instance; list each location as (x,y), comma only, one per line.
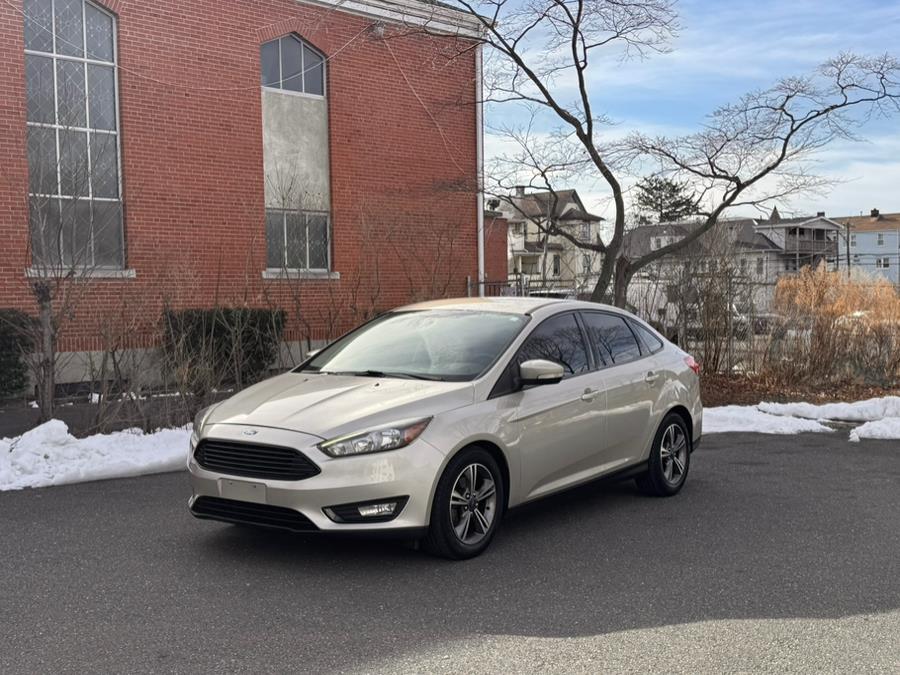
(589,395)
(651,377)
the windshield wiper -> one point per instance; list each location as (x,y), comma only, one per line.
(382,373)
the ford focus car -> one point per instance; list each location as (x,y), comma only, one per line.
(432,420)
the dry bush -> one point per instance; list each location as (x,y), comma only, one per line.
(835,328)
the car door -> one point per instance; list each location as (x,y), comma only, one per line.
(555,428)
(630,383)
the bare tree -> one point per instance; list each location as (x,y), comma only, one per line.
(747,153)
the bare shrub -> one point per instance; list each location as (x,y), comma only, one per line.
(835,328)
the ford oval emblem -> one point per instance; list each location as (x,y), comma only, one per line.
(249,432)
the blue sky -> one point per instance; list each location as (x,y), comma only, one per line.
(728,47)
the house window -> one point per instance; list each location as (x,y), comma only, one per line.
(557,265)
(880,239)
(657,243)
(518,229)
(290,64)
(744,263)
(852,240)
(585,232)
(586,265)
(856,260)
(74,188)
(883,263)
(760,266)
(297,240)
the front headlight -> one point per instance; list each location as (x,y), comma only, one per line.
(388,437)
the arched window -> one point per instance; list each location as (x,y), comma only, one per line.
(75,200)
(290,64)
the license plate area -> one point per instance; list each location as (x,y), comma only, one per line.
(242,490)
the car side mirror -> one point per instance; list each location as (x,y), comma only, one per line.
(540,371)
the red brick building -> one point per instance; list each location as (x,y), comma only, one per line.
(319,156)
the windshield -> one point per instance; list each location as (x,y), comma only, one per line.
(431,344)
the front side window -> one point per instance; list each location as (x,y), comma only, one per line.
(290,64)
(558,339)
(297,240)
(434,345)
(74,193)
(612,337)
(883,263)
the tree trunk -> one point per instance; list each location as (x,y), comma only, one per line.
(46,383)
(620,286)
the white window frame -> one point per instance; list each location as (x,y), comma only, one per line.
(302,94)
(883,263)
(57,127)
(879,238)
(556,263)
(318,271)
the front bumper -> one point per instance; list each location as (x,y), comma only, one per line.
(408,472)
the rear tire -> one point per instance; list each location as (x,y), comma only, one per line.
(468,504)
(670,459)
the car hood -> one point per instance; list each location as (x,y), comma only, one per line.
(334,405)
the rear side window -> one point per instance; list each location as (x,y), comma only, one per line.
(612,336)
(558,339)
(651,342)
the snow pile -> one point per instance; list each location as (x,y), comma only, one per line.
(748,418)
(861,411)
(50,455)
(887,428)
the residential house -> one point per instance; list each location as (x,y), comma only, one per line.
(552,263)
(874,244)
(286,152)
(759,252)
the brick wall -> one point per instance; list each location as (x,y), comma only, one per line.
(403,211)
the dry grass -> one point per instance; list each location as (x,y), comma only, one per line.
(834,329)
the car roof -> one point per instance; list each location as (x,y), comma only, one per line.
(509,304)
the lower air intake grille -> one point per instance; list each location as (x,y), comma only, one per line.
(254,461)
(232,511)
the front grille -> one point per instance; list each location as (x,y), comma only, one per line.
(232,511)
(254,461)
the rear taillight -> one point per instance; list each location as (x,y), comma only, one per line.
(692,364)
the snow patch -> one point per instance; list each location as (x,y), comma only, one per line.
(861,411)
(50,455)
(887,428)
(750,419)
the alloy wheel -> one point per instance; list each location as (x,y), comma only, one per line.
(473,503)
(673,451)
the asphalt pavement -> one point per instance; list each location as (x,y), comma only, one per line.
(781,554)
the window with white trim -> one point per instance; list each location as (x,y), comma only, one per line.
(290,64)
(883,263)
(557,265)
(297,240)
(74,193)
(880,239)
(852,240)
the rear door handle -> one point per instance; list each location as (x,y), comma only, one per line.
(651,377)
(589,395)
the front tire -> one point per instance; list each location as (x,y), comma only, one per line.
(468,504)
(670,459)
